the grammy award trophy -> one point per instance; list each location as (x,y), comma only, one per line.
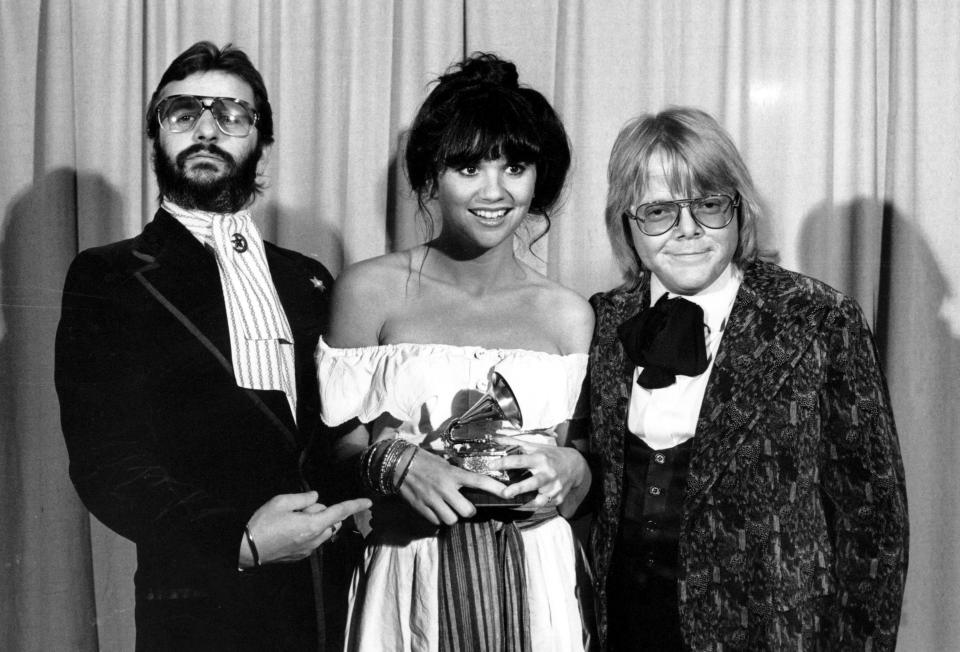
(476,453)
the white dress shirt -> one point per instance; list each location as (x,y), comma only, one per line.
(666,417)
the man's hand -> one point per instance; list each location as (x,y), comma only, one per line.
(289,527)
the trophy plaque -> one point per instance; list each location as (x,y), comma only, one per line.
(475,453)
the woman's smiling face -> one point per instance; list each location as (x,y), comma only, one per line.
(485,203)
(688,257)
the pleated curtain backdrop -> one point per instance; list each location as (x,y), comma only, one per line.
(845,110)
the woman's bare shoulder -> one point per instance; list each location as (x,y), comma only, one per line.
(363,295)
(568,314)
(370,275)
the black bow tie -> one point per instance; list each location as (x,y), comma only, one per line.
(666,340)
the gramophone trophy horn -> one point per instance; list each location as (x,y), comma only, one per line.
(498,404)
(476,453)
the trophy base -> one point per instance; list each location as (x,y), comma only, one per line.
(481,498)
(476,456)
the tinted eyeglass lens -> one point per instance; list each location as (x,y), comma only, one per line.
(179,114)
(712,211)
(232,117)
(659,218)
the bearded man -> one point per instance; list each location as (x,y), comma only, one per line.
(184,368)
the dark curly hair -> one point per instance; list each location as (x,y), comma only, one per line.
(204,56)
(478,111)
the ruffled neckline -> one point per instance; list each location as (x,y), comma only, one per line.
(415,347)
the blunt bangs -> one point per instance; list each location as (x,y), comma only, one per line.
(486,126)
(477,112)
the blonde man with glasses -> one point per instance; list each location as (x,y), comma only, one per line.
(752,488)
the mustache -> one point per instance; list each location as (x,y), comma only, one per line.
(209,149)
(228,193)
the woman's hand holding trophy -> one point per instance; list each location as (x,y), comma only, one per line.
(535,475)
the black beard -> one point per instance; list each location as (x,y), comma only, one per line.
(226,194)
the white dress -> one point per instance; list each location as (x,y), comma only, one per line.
(393,596)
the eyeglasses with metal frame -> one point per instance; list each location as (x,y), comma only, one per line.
(711,212)
(234,117)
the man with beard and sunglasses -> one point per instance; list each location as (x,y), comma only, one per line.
(189,402)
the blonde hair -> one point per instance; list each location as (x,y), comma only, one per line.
(699,158)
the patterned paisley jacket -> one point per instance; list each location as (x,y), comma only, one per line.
(794,534)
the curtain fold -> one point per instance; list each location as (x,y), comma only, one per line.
(46,574)
(844,111)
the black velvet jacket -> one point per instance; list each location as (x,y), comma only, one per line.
(166,450)
(794,533)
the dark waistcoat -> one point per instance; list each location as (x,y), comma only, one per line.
(643,572)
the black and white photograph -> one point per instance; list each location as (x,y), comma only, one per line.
(479,325)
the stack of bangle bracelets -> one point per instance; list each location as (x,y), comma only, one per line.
(378,466)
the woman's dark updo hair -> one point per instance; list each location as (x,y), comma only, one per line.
(478,111)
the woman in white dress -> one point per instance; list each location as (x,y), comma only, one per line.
(413,342)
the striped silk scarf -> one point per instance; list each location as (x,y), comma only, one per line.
(483,603)
(261,341)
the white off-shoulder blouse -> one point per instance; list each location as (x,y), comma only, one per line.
(423,385)
(394,593)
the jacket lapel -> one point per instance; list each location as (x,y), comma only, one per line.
(183,278)
(615,371)
(302,285)
(297,289)
(629,304)
(181,270)
(764,339)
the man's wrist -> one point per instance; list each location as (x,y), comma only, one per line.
(249,558)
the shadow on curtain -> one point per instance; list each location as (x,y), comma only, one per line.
(46,579)
(877,254)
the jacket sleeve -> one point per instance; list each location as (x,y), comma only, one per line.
(863,487)
(117,469)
